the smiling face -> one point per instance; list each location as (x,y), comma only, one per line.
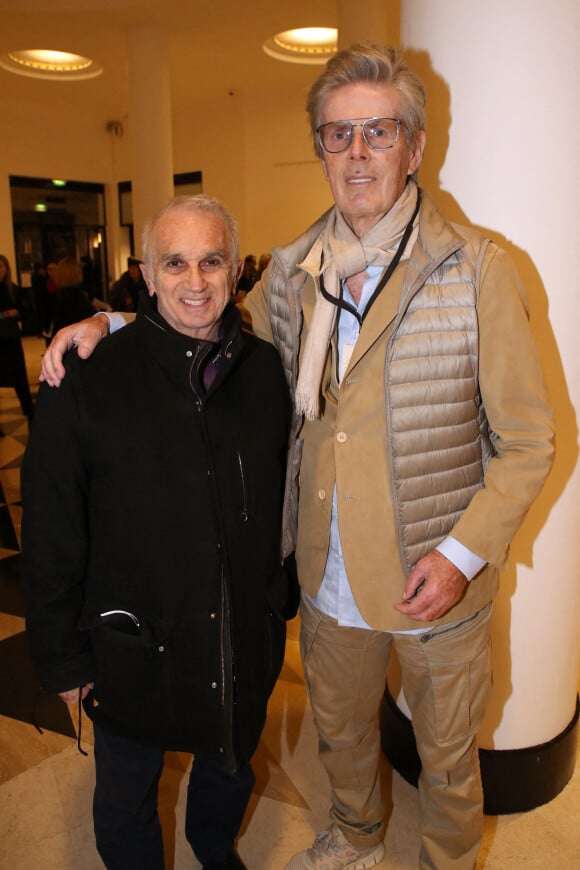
(365,182)
(190,270)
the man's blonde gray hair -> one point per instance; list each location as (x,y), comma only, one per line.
(373,64)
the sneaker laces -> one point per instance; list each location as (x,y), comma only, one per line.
(332,842)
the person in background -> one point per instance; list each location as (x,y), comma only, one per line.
(50,300)
(262,265)
(71,301)
(89,283)
(152,491)
(422,435)
(126,291)
(12,363)
(247,279)
(38,284)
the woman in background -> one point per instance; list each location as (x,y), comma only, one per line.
(12,364)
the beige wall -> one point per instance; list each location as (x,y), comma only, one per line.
(268,175)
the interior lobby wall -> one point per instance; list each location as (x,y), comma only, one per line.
(266,172)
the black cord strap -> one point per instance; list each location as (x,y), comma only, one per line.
(345,306)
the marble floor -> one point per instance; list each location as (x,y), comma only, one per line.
(46,784)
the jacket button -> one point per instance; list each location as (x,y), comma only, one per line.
(341,437)
(321,494)
(212,616)
(188,353)
(161,648)
(214,685)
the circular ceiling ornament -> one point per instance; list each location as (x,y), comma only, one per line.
(304,45)
(44,63)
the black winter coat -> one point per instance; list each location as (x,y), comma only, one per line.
(143,493)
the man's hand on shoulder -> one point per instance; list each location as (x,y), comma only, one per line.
(433,587)
(84,335)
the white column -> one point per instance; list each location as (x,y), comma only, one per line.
(150,125)
(505,77)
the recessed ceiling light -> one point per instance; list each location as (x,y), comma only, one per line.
(304,45)
(43,63)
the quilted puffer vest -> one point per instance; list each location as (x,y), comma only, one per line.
(439,441)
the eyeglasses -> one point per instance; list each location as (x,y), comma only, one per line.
(380,134)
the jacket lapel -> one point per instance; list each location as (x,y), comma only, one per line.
(380,317)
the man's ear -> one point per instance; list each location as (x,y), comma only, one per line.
(144,272)
(238,273)
(417,152)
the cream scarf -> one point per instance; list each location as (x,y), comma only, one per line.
(344,254)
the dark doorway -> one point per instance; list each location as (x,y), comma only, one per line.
(53,219)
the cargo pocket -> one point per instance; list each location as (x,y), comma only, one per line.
(459,659)
(460,694)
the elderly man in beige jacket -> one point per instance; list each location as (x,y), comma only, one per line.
(422,435)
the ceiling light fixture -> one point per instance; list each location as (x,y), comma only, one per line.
(43,63)
(304,45)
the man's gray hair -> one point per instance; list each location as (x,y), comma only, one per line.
(199,202)
(374,64)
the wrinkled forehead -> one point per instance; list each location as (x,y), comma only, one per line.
(192,231)
(361,100)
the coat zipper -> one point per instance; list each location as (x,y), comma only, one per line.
(227,673)
(227,677)
(244,510)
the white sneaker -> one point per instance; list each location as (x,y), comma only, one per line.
(332,851)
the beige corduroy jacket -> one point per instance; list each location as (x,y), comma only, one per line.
(440,424)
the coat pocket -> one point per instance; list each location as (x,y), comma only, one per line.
(133,676)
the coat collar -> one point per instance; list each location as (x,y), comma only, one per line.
(182,357)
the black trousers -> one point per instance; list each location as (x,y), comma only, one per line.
(127,828)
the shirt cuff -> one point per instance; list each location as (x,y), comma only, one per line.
(116,320)
(468,562)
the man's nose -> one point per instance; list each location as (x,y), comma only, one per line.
(358,146)
(196,277)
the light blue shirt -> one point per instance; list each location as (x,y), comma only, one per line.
(334,596)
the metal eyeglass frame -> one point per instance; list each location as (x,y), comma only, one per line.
(362,125)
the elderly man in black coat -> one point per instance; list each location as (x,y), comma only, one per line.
(152,488)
